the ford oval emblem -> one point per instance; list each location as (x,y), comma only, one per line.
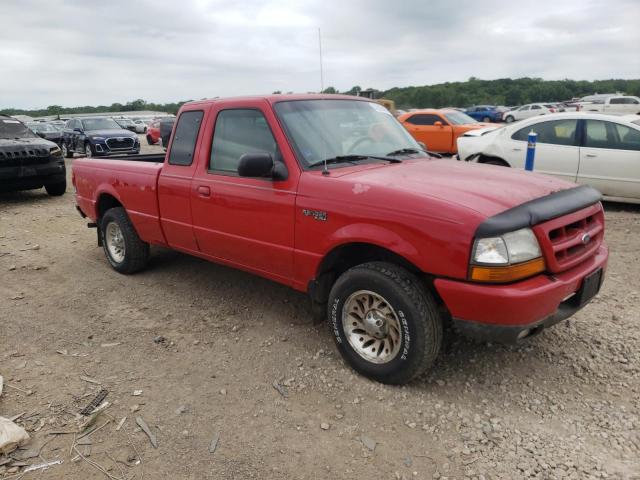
(586,238)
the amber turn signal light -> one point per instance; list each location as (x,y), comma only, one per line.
(508,273)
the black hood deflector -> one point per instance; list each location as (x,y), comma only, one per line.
(539,210)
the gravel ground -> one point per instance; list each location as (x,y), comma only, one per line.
(194,349)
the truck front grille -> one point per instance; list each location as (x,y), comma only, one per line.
(23,157)
(569,240)
(120,143)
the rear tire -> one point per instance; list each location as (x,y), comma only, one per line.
(56,189)
(384,323)
(149,140)
(486,120)
(122,246)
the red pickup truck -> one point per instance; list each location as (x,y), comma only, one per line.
(330,195)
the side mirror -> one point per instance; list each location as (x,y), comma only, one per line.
(424,146)
(258,164)
(77,130)
(438,124)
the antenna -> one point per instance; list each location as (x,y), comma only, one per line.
(320,50)
(325,170)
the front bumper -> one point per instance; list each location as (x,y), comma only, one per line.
(507,313)
(25,177)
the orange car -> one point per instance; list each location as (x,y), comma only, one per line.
(439,129)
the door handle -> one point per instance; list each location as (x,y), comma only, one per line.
(517,149)
(204,191)
(591,155)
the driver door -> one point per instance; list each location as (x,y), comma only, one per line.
(247,222)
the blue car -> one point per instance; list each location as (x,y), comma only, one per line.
(97,137)
(485,113)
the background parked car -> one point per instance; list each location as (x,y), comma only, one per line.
(166,127)
(141,126)
(613,104)
(46,131)
(98,136)
(439,129)
(485,113)
(126,123)
(530,110)
(160,129)
(589,148)
(153,132)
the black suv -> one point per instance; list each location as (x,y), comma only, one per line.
(27,161)
(97,137)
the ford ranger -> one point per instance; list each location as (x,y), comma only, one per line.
(330,195)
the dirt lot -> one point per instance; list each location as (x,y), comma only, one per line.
(205,344)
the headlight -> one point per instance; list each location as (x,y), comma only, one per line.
(510,257)
(97,138)
(55,152)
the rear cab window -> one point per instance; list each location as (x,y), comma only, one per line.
(184,140)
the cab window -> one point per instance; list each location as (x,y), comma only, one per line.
(240,131)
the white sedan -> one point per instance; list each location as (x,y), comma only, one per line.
(593,149)
(528,111)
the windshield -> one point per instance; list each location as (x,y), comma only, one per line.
(10,128)
(43,127)
(100,124)
(459,118)
(322,129)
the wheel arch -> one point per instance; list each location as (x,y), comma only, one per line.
(347,255)
(483,158)
(106,201)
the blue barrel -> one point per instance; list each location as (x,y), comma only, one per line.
(531,150)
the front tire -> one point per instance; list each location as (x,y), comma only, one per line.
(385,324)
(510,119)
(486,120)
(124,249)
(56,189)
(88,151)
(150,140)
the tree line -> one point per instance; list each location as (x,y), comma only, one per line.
(503,91)
(133,106)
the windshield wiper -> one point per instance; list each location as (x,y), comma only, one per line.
(352,158)
(404,151)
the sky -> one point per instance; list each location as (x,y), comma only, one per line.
(88,52)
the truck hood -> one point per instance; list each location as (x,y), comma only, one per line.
(485,189)
(30,146)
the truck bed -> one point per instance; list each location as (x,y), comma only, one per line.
(95,178)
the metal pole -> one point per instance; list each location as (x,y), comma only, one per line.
(531,150)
